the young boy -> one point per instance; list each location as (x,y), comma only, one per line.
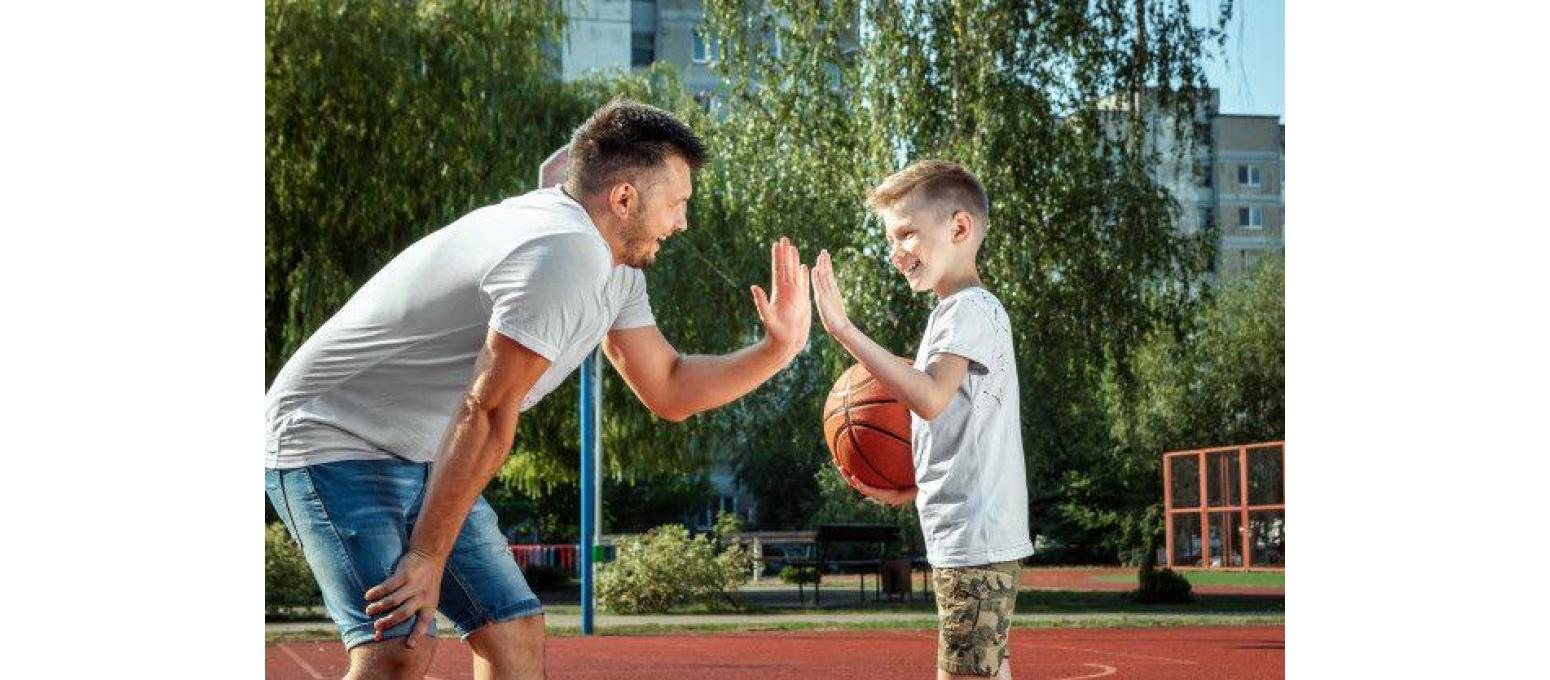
(970,487)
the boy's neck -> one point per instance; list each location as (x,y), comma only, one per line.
(955,282)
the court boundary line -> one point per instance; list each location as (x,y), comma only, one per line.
(297,658)
(1105,670)
(1163,659)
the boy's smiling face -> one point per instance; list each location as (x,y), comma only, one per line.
(924,241)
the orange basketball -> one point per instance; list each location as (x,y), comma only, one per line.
(868,431)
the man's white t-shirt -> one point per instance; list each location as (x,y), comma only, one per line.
(973,492)
(383,377)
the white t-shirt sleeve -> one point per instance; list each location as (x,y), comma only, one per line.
(543,293)
(636,311)
(965,329)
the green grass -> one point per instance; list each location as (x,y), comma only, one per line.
(1263,579)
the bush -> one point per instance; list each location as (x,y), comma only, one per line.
(800,575)
(543,577)
(666,568)
(1163,586)
(288,582)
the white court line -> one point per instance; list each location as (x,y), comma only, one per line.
(1133,656)
(304,666)
(1102,671)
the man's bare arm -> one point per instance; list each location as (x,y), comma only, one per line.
(676,386)
(471,452)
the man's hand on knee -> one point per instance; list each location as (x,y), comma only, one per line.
(413,589)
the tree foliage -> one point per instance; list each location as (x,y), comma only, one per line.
(385,121)
(1081,246)
(1219,379)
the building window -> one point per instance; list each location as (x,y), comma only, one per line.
(643,49)
(1207,218)
(701,49)
(1248,175)
(1203,174)
(706,47)
(1251,218)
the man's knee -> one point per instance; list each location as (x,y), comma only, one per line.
(391,659)
(512,648)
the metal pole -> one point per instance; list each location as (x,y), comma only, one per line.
(590,407)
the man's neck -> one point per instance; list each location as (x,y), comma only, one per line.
(602,219)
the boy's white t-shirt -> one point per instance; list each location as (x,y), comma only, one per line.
(383,377)
(973,492)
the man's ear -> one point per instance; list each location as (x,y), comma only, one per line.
(962,227)
(622,199)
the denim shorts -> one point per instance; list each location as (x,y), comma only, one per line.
(353,520)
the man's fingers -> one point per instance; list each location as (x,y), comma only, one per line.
(421,625)
(777,263)
(399,615)
(761,302)
(792,262)
(387,603)
(380,590)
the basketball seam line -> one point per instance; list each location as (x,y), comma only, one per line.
(859,404)
(850,432)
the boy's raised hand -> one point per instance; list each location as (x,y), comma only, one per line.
(826,294)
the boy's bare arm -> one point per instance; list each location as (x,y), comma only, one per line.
(926,393)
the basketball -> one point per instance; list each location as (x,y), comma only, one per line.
(868,431)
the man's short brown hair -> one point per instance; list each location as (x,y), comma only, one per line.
(944,185)
(623,137)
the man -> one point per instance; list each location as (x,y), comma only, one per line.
(449,343)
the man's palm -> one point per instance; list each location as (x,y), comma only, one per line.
(788,313)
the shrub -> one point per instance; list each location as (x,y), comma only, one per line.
(1162,586)
(288,582)
(666,568)
(800,575)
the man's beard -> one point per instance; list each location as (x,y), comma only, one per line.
(637,243)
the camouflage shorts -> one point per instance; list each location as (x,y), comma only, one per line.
(974,611)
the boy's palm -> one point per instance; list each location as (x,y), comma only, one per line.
(827,295)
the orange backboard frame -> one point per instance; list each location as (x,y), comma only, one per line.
(1205,510)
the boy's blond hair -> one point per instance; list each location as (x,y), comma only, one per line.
(943,185)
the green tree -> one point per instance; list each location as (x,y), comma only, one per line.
(1219,379)
(1081,248)
(386,121)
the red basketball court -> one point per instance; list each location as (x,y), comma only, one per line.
(1221,653)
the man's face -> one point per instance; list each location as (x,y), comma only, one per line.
(663,210)
(919,242)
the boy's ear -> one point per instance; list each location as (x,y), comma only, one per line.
(962,226)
